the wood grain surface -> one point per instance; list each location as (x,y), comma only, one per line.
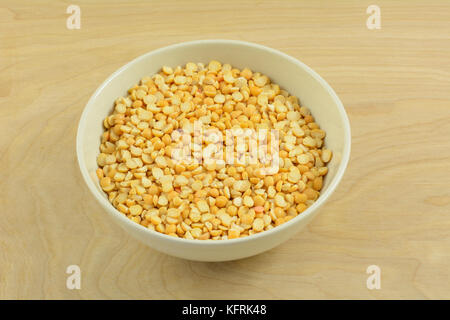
(392,208)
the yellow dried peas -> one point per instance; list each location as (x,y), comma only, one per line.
(210,198)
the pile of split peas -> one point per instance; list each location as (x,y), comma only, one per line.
(209,200)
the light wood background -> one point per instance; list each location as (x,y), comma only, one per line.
(392,208)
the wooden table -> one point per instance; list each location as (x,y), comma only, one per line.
(392,208)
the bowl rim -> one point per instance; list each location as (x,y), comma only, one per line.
(163,237)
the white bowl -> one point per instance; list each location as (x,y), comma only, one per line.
(291,74)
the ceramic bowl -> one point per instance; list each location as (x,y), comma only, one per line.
(288,72)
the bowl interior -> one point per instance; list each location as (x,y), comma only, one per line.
(291,75)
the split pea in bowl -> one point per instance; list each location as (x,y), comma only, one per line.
(289,73)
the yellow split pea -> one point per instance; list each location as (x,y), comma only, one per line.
(210,200)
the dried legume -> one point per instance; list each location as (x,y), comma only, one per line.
(209,200)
